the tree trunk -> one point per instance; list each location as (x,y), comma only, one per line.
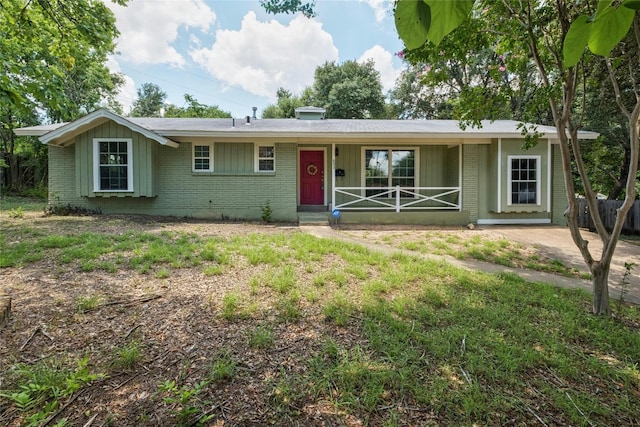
(14,172)
(600,280)
(620,183)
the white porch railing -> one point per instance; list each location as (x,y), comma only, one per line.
(398,198)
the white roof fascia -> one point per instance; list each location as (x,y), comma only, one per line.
(467,136)
(78,126)
(37,130)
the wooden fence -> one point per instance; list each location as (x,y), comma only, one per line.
(608,211)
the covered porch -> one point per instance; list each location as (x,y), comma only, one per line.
(396,178)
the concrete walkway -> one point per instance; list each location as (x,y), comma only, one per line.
(554,242)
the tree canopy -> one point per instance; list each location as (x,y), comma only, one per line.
(350,90)
(554,36)
(150,101)
(52,52)
(193,108)
(53,55)
(285,106)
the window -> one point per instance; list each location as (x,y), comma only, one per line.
(265,158)
(203,158)
(113,162)
(524,180)
(387,168)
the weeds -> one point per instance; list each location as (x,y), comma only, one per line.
(223,367)
(17,212)
(68,210)
(624,287)
(43,386)
(261,337)
(185,403)
(231,306)
(128,355)
(88,303)
(287,308)
(267,212)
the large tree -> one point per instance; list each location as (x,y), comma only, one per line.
(465,71)
(554,34)
(150,101)
(607,159)
(350,90)
(285,106)
(53,55)
(193,108)
(411,98)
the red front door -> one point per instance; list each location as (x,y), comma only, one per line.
(311,177)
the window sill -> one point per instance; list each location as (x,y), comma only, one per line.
(123,193)
(522,210)
(233,174)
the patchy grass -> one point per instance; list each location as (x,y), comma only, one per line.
(9,204)
(267,325)
(472,246)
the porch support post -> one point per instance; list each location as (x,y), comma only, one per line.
(397,198)
(333,176)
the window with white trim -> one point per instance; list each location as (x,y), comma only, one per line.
(524,180)
(265,158)
(113,164)
(202,155)
(384,168)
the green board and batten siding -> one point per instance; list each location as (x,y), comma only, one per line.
(234,157)
(144,152)
(491,171)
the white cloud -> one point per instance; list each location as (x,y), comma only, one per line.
(380,8)
(263,56)
(149,28)
(384,64)
(128,93)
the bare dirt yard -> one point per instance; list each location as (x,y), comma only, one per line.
(214,340)
(179,329)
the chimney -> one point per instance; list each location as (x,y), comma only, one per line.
(254,111)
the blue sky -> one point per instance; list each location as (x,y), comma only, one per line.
(232,54)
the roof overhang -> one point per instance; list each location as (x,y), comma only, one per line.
(63,136)
(172,131)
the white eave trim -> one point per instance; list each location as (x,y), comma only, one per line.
(467,137)
(68,131)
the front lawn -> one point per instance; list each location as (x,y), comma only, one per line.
(140,321)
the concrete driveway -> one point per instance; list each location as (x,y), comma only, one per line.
(556,242)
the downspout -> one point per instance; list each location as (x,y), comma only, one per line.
(499,175)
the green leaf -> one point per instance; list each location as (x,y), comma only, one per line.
(611,24)
(576,40)
(446,16)
(632,4)
(413,18)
